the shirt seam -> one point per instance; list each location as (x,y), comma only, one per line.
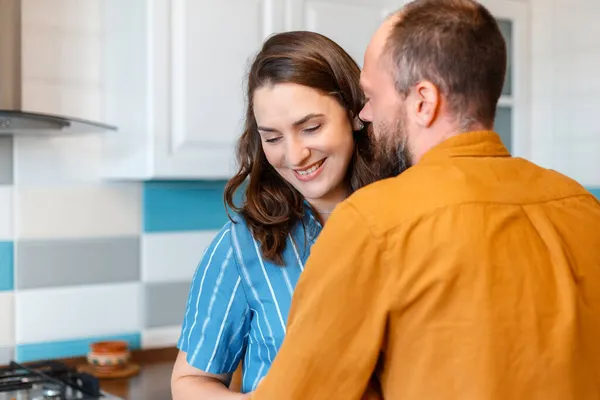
(437,209)
(237,265)
(384,248)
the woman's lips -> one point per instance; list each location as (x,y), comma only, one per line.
(310,173)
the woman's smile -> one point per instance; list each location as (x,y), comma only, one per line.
(311,172)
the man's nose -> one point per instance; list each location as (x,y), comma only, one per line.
(297,153)
(366,114)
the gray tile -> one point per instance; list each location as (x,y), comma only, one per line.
(48,263)
(165,303)
(7,354)
(6,160)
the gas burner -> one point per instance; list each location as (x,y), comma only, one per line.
(50,380)
(52,391)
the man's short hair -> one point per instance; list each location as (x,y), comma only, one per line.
(458,46)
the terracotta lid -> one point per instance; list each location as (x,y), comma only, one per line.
(111,346)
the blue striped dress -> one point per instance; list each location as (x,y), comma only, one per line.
(238,301)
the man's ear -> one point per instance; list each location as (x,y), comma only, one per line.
(426,103)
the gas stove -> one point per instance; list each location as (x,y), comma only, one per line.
(48,380)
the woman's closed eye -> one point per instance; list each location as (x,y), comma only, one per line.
(273,140)
(311,129)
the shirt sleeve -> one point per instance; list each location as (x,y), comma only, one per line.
(337,319)
(216,323)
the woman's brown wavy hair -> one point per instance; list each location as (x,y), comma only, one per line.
(272,206)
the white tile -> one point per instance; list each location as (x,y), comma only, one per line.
(168,257)
(578,160)
(57,159)
(6,213)
(7,320)
(160,337)
(72,312)
(78,212)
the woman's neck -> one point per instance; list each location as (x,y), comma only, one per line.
(324,206)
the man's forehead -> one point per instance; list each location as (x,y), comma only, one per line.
(377,45)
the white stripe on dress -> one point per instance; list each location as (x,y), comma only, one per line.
(235,289)
(288,283)
(300,264)
(262,366)
(211,304)
(254,293)
(262,265)
(202,284)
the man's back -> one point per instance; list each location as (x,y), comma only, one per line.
(497,268)
(471,276)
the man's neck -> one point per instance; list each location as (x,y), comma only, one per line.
(434,137)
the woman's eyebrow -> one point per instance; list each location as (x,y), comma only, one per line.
(307,118)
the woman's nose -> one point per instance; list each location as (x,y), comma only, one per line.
(297,153)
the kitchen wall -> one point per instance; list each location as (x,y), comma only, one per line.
(83,259)
(80,258)
(565,89)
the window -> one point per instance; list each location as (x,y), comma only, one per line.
(504,113)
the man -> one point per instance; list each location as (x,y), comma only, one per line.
(472,275)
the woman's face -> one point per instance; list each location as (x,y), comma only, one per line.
(307,137)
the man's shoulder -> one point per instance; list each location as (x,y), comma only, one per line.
(389,202)
(430,187)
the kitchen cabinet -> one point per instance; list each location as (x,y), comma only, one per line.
(174,75)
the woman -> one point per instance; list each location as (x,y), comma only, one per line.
(303,151)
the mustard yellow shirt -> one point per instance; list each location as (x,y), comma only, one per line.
(473,275)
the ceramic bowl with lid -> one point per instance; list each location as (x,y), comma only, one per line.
(109,355)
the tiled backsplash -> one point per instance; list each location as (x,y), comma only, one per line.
(84,259)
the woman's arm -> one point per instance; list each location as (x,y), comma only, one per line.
(189,383)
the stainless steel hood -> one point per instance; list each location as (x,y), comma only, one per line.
(13,119)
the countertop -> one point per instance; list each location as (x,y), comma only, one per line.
(154,379)
(152,383)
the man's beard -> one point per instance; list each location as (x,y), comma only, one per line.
(390,149)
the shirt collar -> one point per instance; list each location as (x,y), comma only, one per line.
(469,144)
(311,223)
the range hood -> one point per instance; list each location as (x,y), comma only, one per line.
(13,119)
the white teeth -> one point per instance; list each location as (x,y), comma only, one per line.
(311,169)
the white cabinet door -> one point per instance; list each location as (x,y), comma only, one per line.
(176,71)
(350,23)
(210,45)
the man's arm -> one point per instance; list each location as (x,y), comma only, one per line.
(338,316)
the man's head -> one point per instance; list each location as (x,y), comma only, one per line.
(432,70)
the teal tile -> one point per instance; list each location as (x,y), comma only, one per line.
(69,348)
(6,266)
(183,205)
(595,192)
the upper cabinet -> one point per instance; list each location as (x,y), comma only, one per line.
(350,23)
(175,75)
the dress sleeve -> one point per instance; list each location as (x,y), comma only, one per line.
(217,319)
